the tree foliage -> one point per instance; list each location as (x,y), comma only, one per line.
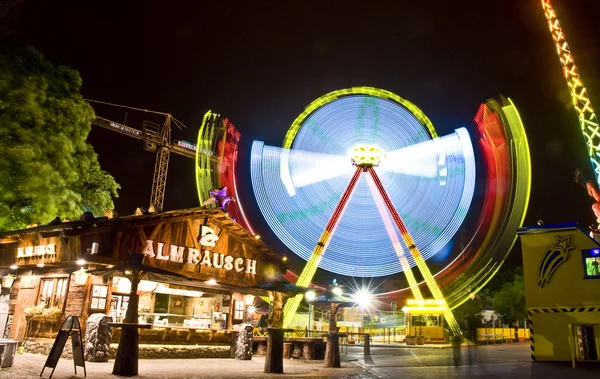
(509,301)
(47,169)
(469,314)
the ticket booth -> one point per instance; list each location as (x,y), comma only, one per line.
(562,289)
(425,317)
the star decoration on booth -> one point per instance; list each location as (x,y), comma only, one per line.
(554,256)
(563,245)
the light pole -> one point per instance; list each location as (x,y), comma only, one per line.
(363,298)
(310,296)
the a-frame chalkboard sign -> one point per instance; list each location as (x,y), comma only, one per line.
(69,327)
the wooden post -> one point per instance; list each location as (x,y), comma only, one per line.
(332,351)
(274,356)
(367,344)
(126,361)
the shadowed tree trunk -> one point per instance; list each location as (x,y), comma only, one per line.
(126,361)
(332,351)
(274,356)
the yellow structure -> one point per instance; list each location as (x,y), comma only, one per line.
(426,317)
(562,287)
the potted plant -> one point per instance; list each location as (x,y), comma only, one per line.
(411,340)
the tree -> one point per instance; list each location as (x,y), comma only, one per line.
(47,169)
(509,301)
(469,312)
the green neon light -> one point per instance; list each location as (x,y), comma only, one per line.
(204,149)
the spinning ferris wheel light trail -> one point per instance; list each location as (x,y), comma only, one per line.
(365,158)
(389,228)
(317,204)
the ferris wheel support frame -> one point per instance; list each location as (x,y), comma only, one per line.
(310,269)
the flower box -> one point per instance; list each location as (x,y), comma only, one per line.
(411,340)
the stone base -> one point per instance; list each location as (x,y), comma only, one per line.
(147,351)
(43,345)
(180,351)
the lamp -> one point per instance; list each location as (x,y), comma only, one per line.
(8,280)
(249,299)
(80,277)
(337,290)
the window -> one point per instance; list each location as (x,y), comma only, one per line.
(591,263)
(425,320)
(239,310)
(99,294)
(52,292)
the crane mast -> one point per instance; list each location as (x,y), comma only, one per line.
(581,101)
(157,138)
(161,167)
(215,156)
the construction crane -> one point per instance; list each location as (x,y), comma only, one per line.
(581,102)
(156,138)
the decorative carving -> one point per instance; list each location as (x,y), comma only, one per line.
(243,349)
(97,338)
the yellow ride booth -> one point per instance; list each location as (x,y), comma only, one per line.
(562,289)
(425,318)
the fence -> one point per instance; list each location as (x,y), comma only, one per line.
(502,334)
(398,334)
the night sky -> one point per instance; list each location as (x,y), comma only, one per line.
(259,63)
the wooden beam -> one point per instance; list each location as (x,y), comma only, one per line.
(11,239)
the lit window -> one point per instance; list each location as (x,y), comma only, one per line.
(52,292)
(239,310)
(591,263)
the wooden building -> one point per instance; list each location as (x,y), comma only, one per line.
(202,272)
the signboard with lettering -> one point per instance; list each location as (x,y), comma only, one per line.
(425,302)
(200,248)
(202,244)
(42,250)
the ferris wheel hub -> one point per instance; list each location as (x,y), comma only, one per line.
(366,156)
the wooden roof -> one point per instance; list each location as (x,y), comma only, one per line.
(104,224)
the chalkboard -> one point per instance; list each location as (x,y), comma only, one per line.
(69,327)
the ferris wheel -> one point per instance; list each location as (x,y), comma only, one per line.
(364,186)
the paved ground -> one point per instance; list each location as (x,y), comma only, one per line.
(489,362)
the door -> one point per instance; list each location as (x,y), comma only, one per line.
(25,299)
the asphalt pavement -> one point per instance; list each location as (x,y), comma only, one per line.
(386,361)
